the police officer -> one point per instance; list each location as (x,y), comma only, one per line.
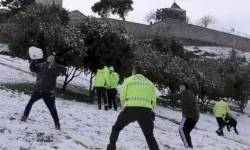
(138,98)
(112,91)
(220,110)
(102,81)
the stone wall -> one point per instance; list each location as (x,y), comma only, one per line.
(173,28)
(189,34)
(50,2)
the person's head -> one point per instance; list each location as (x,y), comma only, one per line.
(183,87)
(51,57)
(137,70)
(111,69)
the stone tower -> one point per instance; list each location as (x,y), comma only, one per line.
(50,2)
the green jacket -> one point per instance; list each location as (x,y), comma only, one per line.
(220,109)
(102,78)
(114,80)
(138,91)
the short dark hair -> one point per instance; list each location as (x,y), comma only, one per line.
(138,69)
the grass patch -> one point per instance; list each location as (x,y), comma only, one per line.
(28,88)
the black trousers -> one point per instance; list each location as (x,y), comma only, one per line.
(101,93)
(232,123)
(112,98)
(185,128)
(130,114)
(221,123)
(49,100)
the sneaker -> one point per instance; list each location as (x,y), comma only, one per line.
(106,108)
(24,118)
(58,126)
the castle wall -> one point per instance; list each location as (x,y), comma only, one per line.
(189,34)
(50,2)
(173,28)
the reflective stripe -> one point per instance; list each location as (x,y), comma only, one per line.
(142,99)
(140,84)
(182,134)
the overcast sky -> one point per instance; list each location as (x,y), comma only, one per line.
(229,13)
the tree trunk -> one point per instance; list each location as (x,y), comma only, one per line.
(65,84)
(123,18)
(243,105)
(90,84)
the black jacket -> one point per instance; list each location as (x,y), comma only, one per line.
(47,74)
(189,106)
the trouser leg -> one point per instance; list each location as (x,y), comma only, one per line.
(34,97)
(49,100)
(114,100)
(99,97)
(104,96)
(221,124)
(122,121)
(147,125)
(109,94)
(186,126)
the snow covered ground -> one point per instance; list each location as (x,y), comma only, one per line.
(85,123)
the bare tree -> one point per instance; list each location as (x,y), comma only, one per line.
(151,16)
(207,20)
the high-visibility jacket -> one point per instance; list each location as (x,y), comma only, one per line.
(102,78)
(114,80)
(221,108)
(138,91)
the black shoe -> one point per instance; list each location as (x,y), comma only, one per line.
(99,107)
(111,147)
(115,109)
(24,118)
(106,108)
(58,126)
(218,132)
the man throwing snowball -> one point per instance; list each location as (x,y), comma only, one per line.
(47,73)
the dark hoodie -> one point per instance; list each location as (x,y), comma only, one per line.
(189,106)
(47,74)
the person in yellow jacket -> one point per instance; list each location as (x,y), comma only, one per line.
(220,111)
(102,81)
(138,98)
(112,91)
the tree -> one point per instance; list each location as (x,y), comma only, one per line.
(207,20)
(119,7)
(165,13)
(47,28)
(151,17)
(17,5)
(108,43)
